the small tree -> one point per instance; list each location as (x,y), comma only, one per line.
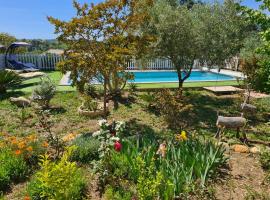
(100,39)
(262,20)
(6,40)
(44,92)
(209,33)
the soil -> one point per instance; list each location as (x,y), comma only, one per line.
(246,179)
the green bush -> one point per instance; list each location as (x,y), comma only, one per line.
(265,160)
(8,79)
(13,168)
(117,194)
(90,90)
(61,180)
(44,92)
(89,104)
(87,149)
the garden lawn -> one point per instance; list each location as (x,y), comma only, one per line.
(200,119)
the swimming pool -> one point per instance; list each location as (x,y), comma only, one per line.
(166,77)
(171,76)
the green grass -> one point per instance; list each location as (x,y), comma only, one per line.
(28,85)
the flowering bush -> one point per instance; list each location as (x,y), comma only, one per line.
(109,136)
(29,147)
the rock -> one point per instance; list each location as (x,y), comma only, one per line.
(20,101)
(254,150)
(240,148)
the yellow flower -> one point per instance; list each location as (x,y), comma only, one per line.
(184,135)
(181,137)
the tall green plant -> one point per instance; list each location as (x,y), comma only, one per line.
(8,79)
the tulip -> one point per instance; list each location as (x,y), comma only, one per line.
(117,146)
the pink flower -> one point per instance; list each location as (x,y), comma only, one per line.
(117,146)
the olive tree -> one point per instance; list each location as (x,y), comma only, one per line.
(210,33)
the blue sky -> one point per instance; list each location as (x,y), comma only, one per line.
(27,18)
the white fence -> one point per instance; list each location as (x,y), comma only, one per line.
(49,61)
(152,64)
(44,62)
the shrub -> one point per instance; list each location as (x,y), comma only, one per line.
(90,90)
(44,92)
(89,104)
(8,79)
(12,168)
(172,107)
(117,194)
(62,180)
(265,159)
(87,149)
(133,88)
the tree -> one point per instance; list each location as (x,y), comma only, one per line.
(175,28)
(5,40)
(99,41)
(209,33)
(222,32)
(261,80)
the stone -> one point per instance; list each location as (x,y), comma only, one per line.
(254,150)
(240,148)
(20,101)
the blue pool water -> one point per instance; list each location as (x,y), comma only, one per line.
(171,76)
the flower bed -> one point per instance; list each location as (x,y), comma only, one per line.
(149,170)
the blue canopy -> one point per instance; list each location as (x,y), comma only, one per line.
(19,44)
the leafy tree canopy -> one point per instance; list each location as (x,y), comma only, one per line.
(207,32)
(101,38)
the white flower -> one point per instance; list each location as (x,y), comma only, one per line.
(119,125)
(102,122)
(115,138)
(96,134)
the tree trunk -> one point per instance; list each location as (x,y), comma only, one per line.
(105,98)
(180,81)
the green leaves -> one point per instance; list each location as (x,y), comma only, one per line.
(62,180)
(8,79)
(44,92)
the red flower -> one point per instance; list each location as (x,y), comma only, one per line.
(117,146)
